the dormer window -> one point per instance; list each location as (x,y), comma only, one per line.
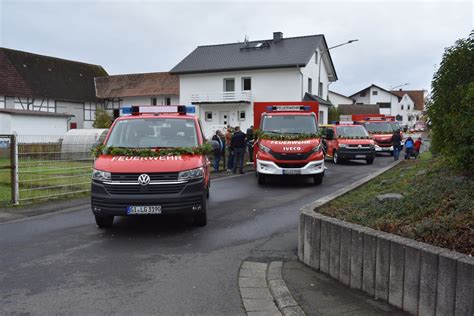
(363,94)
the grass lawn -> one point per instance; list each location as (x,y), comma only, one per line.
(438,204)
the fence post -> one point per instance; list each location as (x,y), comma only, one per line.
(14,170)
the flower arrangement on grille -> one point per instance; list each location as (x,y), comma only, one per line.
(148,152)
(353,137)
(262,135)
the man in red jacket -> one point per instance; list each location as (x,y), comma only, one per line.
(417,147)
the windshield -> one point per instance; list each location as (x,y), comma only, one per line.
(153,133)
(379,127)
(290,124)
(351,131)
(395,126)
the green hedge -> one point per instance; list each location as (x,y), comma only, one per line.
(451,108)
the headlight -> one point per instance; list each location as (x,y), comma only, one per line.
(191,174)
(264,148)
(317,148)
(101,175)
(343,145)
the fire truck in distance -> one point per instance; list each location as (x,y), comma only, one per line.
(347,142)
(288,143)
(381,128)
(129,185)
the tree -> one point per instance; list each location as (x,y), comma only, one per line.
(102,119)
(333,114)
(451,108)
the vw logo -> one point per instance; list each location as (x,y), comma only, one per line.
(360,146)
(144,179)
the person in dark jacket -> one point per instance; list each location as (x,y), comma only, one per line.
(409,147)
(250,139)
(237,145)
(397,144)
(219,150)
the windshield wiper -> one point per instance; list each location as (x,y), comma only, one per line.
(274,132)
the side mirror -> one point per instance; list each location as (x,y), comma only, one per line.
(329,134)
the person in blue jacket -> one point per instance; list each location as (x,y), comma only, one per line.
(409,147)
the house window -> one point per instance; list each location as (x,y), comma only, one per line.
(310,85)
(2,102)
(229,85)
(153,101)
(375,92)
(167,101)
(401,107)
(241,115)
(208,116)
(408,107)
(321,89)
(359,103)
(246,84)
(321,117)
(362,94)
(316,57)
(89,111)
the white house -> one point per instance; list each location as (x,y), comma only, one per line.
(406,105)
(337,98)
(374,94)
(223,81)
(41,83)
(411,106)
(157,88)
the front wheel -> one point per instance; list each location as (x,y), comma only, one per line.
(318,179)
(104,221)
(200,218)
(335,158)
(261,178)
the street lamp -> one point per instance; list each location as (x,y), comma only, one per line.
(391,89)
(321,57)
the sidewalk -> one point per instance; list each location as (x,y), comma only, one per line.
(319,294)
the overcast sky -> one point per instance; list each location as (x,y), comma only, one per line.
(399,41)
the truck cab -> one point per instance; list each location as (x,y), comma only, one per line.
(288,141)
(381,131)
(152,162)
(347,142)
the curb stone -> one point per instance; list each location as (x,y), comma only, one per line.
(263,290)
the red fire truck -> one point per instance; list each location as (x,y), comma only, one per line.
(126,185)
(381,128)
(288,143)
(347,141)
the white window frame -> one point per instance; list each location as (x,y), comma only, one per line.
(89,111)
(239,115)
(243,83)
(206,117)
(225,84)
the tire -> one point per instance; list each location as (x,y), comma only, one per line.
(370,161)
(261,179)
(104,221)
(200,218)
(335,158)
(318,179)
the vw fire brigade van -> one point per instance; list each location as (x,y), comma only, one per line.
(127,185)
(284,157)
(347,141)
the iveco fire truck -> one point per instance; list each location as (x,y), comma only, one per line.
(131,185)
(288,143)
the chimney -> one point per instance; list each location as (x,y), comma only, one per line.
(277,36)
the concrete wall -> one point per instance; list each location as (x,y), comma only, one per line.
(416,277)
(33,125)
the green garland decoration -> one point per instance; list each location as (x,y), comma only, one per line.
(353,137)
(262,135)
(383,133)
(147,152)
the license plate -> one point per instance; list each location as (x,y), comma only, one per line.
(135,210)
(291,171)
(360,156)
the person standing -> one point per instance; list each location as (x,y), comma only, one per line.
(409,147)
(230,154)
(237,145)
(250,140)
(397,144)
(218,151)
(417,147)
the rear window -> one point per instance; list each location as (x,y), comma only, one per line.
(153,133)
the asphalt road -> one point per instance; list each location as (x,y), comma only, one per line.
(62,263)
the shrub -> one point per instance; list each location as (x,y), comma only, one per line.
(102,119)
(451,109)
